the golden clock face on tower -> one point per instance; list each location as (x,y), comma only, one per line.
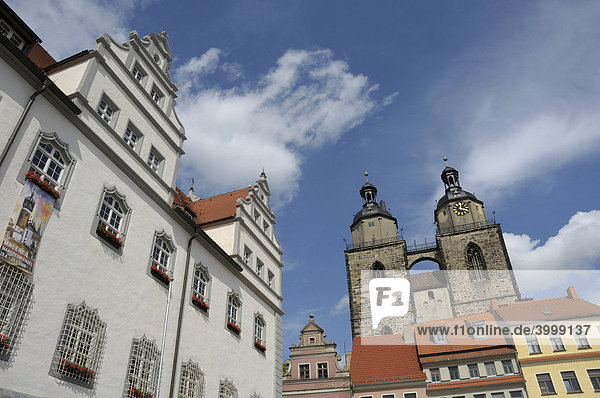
(460,208)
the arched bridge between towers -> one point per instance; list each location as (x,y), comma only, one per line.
(423,252)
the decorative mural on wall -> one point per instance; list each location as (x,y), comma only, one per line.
(26,226)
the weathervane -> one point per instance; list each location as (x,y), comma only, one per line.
(446,161)
(367,176)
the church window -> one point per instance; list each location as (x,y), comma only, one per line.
(322,372)
(161,258)
(201,284)
(304,371)
(191,381)
(227,389)
(51,160)
(378,270)
(112,217)
(234,316)
(475,263)
(77,355)
(15,296)
(142,370)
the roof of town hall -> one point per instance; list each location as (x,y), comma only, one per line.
(378,359)
(212,209)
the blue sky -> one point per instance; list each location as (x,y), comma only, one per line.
(319,92)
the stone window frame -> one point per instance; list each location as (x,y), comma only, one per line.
(377,269)
(80,346)
(475,261)
(260,329)
(121,232)
(300,371)
(271,279)
(199,270)
(62,148)
(170,252)
(191,380)
(15,299)
(142,367)
(234,302)
(319,371)
(227,389)
(143,75)
(102,111)
(137,143)
(155,161)
(260,267)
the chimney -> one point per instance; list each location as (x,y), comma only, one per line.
(571,293)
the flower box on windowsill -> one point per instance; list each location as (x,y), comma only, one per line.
(161,275)
(233,327)
(200,303)
(4,342)
(44,185)
(108,236)
(76,371)
(259,346)
(135,392)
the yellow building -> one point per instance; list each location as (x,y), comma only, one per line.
(555,360)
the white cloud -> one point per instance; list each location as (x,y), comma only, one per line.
(341,306)
(189,73)
(307,100)
(524,102)
(573,249)
(69,26)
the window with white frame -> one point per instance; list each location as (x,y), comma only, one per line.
(507,366)
(155,161)
(266,227)
(51,159)
(388,396)
(435,374)
(440,338)
(304,371)
(138,73)
(227,389)
(490,368)
(322,371)
(200,287)
(80,346)
(454,372)
(557,343)
(162,256)
(582,342)
(15,296)
(256,216)
(259,268)
(532,344)
(107,110)
(594,375)
(545,383)
(570,381)
(271,279)
(142,370)
(11,35)
(410,395)
(191,381)
(113,217)
(156,95)
(516,394)
(234,306)
(132,137)
(259,330)
(247,255)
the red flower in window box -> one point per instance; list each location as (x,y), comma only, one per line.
(135,392)
(160,274)
(76,370)
(108,235)
(200,303)
(4,342)
(258,344)
(43,184)
(233,327)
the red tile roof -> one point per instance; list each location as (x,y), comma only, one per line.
(550,309)
(372,363)
(211,209)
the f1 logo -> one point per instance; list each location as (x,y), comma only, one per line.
(388,297)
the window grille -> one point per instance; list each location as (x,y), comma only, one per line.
(142,371)
(475,262)
(227,389)
(191,382)
(15,296)
(80,346)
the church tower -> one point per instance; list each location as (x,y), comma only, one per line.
(467,245)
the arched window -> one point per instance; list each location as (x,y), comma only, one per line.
(112,217)
(201,287)
(161,259)
(15,296)
(234,312)
(386,330)
(378,270)
(191,382)
(475,262)
(260,341)
(142,371)
(227,389)
(80,344)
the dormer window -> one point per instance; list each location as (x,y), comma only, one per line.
(312,340)
(11,35)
